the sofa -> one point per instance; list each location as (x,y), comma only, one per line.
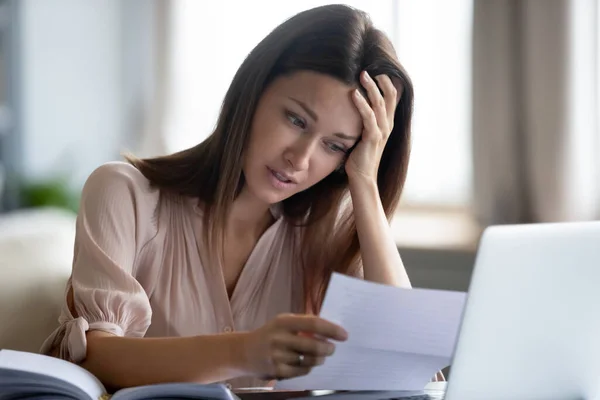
(36,251)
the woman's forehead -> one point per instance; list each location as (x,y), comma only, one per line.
(313,84)
(328,97)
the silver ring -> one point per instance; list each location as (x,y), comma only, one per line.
(300,359)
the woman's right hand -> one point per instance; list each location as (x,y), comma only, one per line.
(291,345)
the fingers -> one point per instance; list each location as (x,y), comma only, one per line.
(286,371)
(382,106)
(289,363)
(295,359)
(310,346)
(377,101)
(369,118)
(314,325)
(390,96)
(299,343)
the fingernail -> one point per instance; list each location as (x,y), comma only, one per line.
(356,93)
(344,334)
(366,75)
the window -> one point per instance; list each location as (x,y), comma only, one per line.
(432,39)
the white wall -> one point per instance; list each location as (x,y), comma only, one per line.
(70,81)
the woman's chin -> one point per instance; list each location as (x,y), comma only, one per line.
(272,199)
(269,197)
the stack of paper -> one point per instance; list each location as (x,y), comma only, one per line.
(398,338)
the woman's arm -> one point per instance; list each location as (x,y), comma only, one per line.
(381,260)
(269,352)
(125,362)
(380,256)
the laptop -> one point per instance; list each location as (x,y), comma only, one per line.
(531,324)
(530,329)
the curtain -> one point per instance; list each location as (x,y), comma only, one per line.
(535,129)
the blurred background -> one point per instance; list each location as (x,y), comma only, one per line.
(505,126)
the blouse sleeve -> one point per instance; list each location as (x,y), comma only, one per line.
(113,224)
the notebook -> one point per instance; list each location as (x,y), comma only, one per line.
(30,375)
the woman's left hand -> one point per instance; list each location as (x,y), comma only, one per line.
(378,122)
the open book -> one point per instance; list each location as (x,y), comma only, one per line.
(26,375)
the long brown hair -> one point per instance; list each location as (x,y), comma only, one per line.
(336,40)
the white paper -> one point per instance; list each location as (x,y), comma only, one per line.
(398,338)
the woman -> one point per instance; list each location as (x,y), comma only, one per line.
(211,264)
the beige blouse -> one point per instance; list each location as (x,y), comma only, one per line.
(137,270)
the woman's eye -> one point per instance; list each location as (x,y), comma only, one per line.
(295,120)
(336,148)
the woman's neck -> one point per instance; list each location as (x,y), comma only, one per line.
(249,215)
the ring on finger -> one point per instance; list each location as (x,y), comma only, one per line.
(300,359)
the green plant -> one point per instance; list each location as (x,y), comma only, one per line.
(49,193)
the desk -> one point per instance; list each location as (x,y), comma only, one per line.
(435,391)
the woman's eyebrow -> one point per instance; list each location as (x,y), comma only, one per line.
(306,108)
(344,136)
(311,113)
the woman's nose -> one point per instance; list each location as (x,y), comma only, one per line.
(298,155)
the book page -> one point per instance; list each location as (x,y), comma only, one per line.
(53,368)
(398,338)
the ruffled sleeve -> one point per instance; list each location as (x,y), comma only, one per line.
(115,221)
